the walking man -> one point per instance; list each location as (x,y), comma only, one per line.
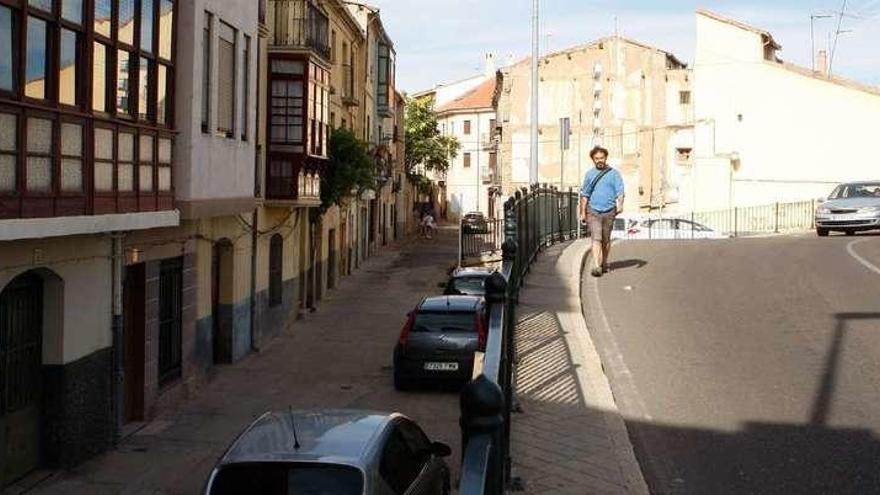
(601,200)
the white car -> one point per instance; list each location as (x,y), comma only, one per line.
(662,228)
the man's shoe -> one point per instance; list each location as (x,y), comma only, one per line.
(596,272)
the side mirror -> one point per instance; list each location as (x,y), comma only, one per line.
(440,449)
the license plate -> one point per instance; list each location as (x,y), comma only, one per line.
(845,218)
(441,366)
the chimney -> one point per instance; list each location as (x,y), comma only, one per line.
(822,62)
(490,65)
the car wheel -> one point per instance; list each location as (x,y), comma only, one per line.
(401,383)
(822,232)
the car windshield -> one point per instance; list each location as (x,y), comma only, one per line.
(272,478)
(444,322)
(864,190)
(468,285)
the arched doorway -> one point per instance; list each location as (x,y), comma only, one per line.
(21,359)
(222,300)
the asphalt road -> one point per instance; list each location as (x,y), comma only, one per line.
(747,365)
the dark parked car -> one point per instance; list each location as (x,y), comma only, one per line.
(439,339)
(468,281)
(333,453)
(474,223)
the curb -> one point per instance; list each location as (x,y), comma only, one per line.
(594,372)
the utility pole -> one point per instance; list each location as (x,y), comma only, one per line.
(813,18)
(533,159)
(836,35)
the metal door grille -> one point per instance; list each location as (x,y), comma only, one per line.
(170,317)
(21,329)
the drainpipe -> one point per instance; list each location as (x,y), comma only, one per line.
(118,329)
(255,215)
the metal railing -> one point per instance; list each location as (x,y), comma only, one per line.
(734,222)
(533,220)
(480,240)
(300,23)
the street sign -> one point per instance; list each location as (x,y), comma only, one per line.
(564,133)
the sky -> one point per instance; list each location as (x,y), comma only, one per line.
(441,41)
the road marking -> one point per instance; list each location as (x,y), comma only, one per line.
(852,252)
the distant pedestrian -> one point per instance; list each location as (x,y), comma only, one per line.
(601,200)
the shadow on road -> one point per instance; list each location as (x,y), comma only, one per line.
(624,264)
(759,457)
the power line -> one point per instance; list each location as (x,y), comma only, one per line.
(836,36)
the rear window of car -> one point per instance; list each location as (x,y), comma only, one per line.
(276,478)
(469,285)
(444,322)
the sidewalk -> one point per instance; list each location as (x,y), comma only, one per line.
(570,437)
(339,356)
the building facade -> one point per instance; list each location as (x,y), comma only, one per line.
(763,132)
(89,163)
(471,177)
(160,181)
(626,96)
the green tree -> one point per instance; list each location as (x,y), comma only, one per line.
(424,143)
(350,168)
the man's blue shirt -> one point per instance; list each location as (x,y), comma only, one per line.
(606,192)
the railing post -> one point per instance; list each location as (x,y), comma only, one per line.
(736,222)
(482,413)
(776,229)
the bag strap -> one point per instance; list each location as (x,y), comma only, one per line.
(595,182)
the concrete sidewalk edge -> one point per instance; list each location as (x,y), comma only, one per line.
(573,260)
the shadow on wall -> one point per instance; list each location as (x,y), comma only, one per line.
(760,457)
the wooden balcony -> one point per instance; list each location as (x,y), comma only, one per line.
(292,184)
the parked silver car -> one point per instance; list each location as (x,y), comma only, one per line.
(852,207)
(329,453)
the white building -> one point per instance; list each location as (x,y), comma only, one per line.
(767,130)
(470,118)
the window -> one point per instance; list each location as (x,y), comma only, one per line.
(493,129)
(162,84)
(123,83)
(683,155)
(287,106)
(104,140)
(40,143)
(170,319)
(226,79)
(467,127)
(467,160)
(100,77)
(103,17)
(147,20)
(68,82)
(72,11)
(206,71)
(318,110)
(125,29)
(125,167)
(333,120)
(71,157)
(382,95)
(276,267)
(36,57)
(684,97)
(333,47)
(164,169)
(401,463)
(8,51)
(144,90)
(246,83)
(166,23)
(8,152)
(146,157)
